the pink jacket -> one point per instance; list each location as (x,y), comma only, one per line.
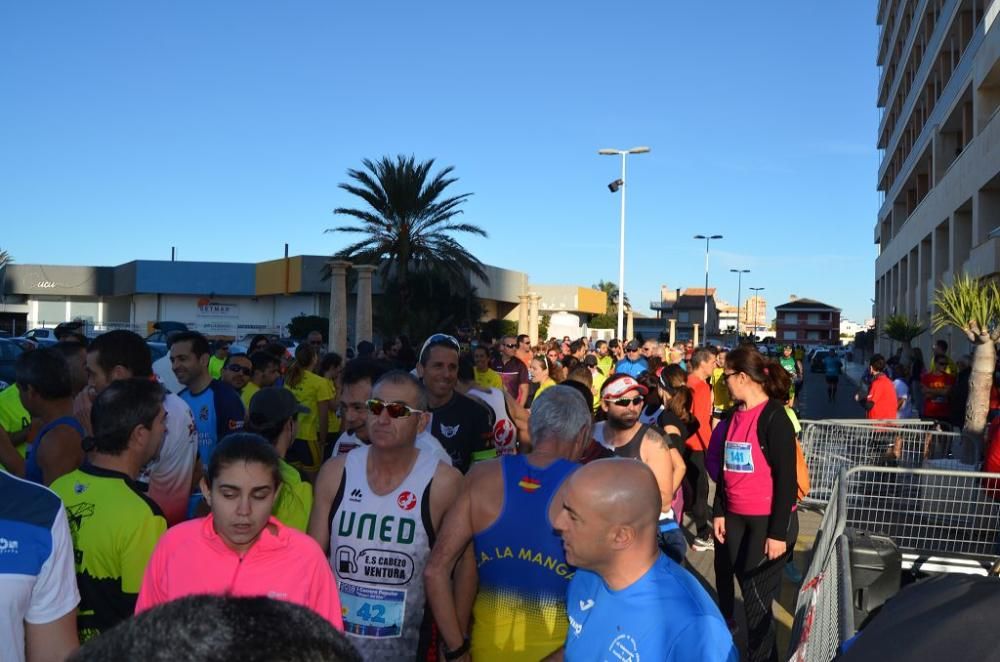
(191,558)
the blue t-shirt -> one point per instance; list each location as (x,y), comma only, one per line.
(665,615)
(217,412)
(832,365)
(633,368)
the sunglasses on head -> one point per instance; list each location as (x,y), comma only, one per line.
(439,338)
(232,367)
(394,409)
(625,402)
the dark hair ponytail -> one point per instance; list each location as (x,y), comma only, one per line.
(304,356)
(772,377)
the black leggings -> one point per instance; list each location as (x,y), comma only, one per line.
(696,491)
(742,557)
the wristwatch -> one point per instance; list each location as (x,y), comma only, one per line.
(458,652)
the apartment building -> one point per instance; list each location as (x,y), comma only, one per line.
(939,139)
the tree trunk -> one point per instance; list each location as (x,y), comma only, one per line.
(904,357)
(980,382)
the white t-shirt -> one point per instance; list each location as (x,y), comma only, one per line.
(37,577)
(163,372)
(169,474)
(426,442)
(903,393)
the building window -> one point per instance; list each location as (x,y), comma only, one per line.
(683,316)
(791,318)
(813,318)
(788,335)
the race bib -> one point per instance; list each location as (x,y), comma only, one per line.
(739,457)
(372,612)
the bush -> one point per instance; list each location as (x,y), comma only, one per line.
(303,325)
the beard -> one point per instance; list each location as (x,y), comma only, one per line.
(624,422)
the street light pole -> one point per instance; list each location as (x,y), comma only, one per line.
(707,238)
(621,239)
(756,297)
(739,291)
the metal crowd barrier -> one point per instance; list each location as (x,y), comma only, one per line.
(831,446)
(940,520)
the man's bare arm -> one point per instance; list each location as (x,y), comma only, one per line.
(331,474)
(51,642)
(454,534)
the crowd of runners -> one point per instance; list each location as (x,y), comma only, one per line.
(458,499)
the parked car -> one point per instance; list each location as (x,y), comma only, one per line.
(41,337)
(163,330)
(157,349)
(9,351)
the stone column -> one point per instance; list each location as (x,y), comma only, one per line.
(533,318)
(673,331)
(363,309)
(522,313)
(338,306)
(694,339)
(630,326)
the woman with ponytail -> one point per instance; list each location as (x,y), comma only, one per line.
(315,393)
(752,459)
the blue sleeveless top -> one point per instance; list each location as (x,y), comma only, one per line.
(32,471)
(523,574)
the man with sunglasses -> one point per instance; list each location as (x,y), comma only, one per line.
(633,364)
(622,400)
(265,371)
(513,371)
(461,424)
(237,371)
(376,511)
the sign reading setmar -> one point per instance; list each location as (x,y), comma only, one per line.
(208,308)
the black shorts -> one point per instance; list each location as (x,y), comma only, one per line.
(832,379)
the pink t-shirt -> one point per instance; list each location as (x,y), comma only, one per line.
(284,564)
(746,473)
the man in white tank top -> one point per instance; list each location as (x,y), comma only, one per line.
(376,512)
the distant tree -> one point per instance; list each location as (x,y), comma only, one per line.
(904,331)
(611,290)
(407,225)
(301,326)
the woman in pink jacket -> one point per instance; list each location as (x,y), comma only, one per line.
(240,550)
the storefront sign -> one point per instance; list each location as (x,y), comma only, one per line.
(208,308)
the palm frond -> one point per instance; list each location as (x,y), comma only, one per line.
(970,305)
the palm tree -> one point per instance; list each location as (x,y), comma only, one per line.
(973,307)
(902,330)
(407,223)
(611,290)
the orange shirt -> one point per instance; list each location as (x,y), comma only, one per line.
(701,407)
(882,395)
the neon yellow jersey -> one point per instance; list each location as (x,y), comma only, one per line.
(13,416)
(115,528)
(333,424)
(548,383)
(607,365)
(248,392)
(311,390)
(723,399)
(215,366)
(794,419)
(489,379)
(295,498)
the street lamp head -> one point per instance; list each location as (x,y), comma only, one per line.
(700,236)
(615,185)
(716,236)
(638,150)
(740,271)
(609,152)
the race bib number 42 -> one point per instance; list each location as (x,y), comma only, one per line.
(372,612)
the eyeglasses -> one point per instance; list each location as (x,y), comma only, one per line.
(631,350)
(443,338)
(727,375)
(510,345)
(232,367)
(394,409)
(316,343)
(625,402)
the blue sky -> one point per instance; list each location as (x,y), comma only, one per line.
(223,129)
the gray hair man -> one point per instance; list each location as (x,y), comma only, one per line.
(507,510)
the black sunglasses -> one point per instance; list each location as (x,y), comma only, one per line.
(394,409)
(625,402)
(510,346)
(232,367)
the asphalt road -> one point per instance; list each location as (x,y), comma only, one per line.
(813,404)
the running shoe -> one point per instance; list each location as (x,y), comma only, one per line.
(703,544)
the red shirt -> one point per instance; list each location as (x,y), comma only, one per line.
(701,407)
(937,406)
(882,395)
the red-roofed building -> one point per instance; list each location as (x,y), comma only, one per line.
(807,322)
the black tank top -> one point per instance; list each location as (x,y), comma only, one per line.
(634,445)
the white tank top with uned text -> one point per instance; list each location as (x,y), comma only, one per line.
(378,549)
